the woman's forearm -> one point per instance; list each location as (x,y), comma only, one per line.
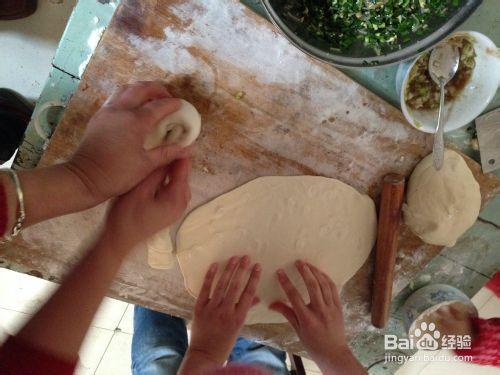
(54,191)
(48,192)
(59,327)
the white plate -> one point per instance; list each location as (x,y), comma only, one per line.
(472,100)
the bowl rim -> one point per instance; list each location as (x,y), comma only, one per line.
(374,61)
(404,108)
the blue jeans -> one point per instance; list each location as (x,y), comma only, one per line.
(160,342)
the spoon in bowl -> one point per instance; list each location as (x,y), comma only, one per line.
(443,64)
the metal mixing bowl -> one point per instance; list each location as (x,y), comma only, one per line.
(362,57)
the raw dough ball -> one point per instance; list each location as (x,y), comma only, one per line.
(180,128)
(276,220)
(442,205)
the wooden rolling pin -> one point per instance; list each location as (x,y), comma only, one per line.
(393,186)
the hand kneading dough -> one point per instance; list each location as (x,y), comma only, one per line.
(276,220)
(181,128)
(442,205)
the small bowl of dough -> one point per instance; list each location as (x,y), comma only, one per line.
(467,94)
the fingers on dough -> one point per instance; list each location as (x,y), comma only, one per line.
(277,220)
(180,128)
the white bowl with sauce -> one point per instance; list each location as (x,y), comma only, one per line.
(472,99)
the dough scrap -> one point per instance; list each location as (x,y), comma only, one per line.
(277,220)
(442,205)
(160,250)
(181,128)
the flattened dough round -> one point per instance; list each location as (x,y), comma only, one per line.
(277,220)
(442,205)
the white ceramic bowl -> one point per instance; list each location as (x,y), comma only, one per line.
(474,97)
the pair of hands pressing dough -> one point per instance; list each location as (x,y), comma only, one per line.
(221,309)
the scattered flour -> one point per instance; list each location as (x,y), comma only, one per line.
(403,262)
(225,32)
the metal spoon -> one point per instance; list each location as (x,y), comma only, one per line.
(443,64)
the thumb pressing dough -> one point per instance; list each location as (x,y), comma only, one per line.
(276,220)
(180,128)
(442,205)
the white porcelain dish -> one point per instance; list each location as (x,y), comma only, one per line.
(474,97)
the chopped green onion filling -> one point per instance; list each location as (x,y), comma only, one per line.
(378,24)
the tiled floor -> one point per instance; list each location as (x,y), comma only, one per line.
(28,46)
(106,349)
(107,345)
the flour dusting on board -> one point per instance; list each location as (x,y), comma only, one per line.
(224,30)
(402,275)
(356,312)
(217,34)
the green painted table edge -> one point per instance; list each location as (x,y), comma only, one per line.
(85,27)
(88,21)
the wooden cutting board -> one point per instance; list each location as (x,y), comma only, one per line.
(267,109)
